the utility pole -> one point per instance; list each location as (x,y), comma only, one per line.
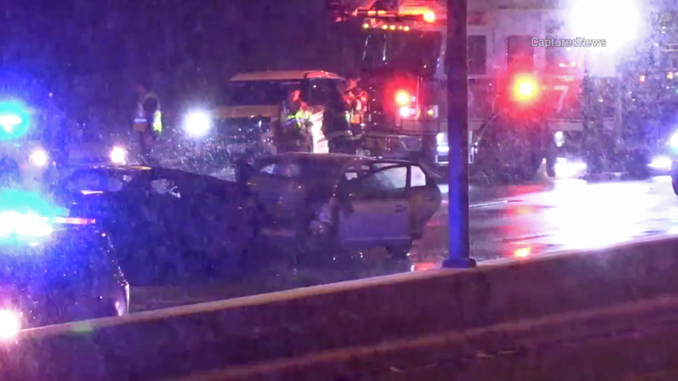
(457,132)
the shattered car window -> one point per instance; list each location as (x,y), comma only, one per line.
(382,182)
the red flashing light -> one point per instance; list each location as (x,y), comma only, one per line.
(523,252)
(525,88)
(430,17)
(403,98)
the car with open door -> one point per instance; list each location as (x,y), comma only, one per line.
(166,224)
(335,201)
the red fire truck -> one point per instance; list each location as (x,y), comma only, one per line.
(524,103)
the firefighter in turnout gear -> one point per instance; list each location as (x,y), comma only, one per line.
(148,121)
(336,125)
(294,124)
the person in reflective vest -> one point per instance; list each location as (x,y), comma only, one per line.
(147,121)
(294,124)
(336,126)
(356,100)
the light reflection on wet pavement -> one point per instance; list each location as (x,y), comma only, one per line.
(506,221)
(568,214)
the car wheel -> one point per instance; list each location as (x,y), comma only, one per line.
(399,252)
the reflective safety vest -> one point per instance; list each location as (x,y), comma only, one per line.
(357,105)
(141,122)
(355,118)
(294,122)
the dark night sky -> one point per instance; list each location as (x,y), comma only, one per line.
(184,44)
(75,37)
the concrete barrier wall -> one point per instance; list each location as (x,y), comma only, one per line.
(603,343)
(301,322)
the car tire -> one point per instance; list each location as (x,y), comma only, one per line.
(399,252)
(674,183)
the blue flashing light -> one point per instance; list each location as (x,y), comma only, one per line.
(24,225)
(14,120)
(28,202)
(26,215)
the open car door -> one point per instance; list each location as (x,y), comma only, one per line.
(375,206)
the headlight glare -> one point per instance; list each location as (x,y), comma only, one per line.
(39,158)
(10,324)
(198,124)
(118,155)
(674,141)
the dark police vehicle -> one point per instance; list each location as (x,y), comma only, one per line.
(54,268)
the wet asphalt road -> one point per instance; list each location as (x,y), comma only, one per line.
(505,221)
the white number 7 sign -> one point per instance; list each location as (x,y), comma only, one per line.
(563,89)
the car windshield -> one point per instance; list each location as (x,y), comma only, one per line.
(414,52)
(257,93)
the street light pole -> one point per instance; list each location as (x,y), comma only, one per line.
(456,59)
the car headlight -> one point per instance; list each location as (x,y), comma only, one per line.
(118,155)
(660,163)
(10,324)
(39,158)
(198,124)
(674,141)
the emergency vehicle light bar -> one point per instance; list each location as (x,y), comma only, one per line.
(396,17)
(387,27)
